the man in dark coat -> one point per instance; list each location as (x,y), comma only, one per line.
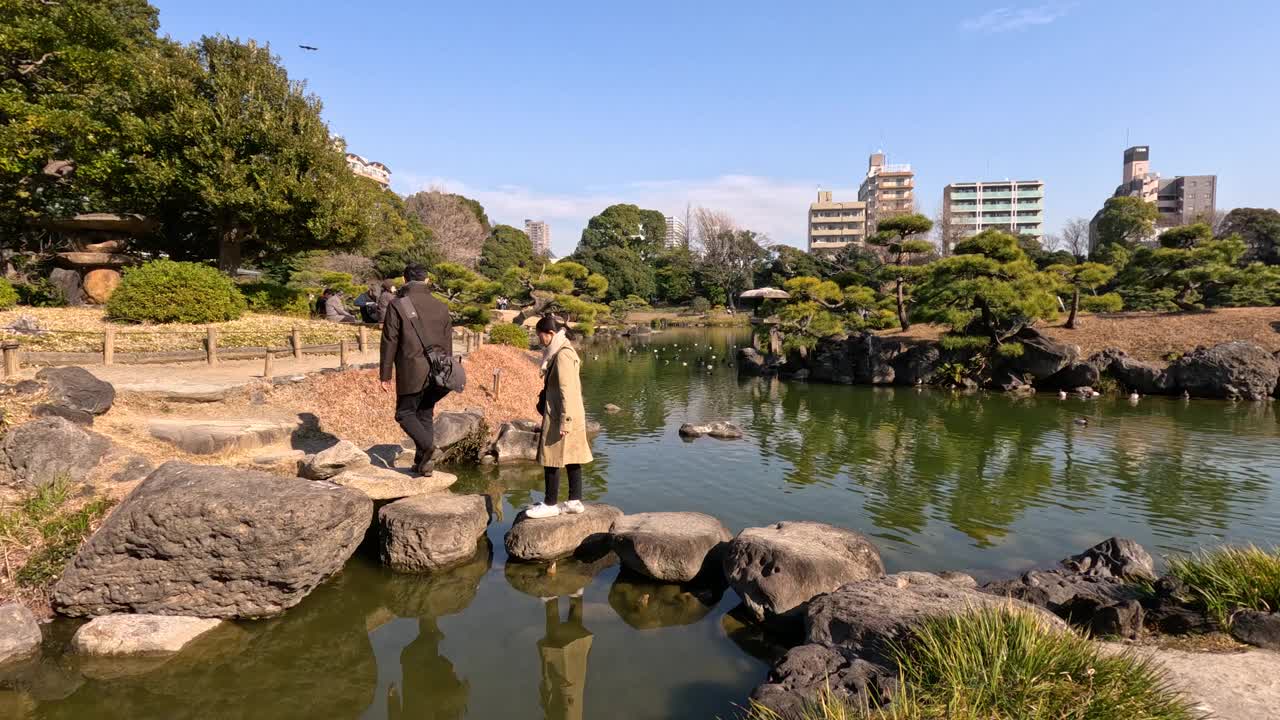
(403,350)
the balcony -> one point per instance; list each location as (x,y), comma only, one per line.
(1031,193)
(965,195)
(999,194)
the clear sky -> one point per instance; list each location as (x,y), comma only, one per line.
(553,110)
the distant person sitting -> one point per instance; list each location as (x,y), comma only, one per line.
(334,310)
(367,304)
(385,298)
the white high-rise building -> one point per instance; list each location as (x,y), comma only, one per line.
(540,235)
(677,234)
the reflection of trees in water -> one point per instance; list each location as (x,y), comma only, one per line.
(980,461)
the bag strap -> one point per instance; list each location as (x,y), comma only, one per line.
(409,314)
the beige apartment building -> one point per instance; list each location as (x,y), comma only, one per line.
(833,225)
(887,190)
(539,236)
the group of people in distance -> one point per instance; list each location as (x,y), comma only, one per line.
(417,339)
(371,304)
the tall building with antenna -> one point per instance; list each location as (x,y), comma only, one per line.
(887,190)
(1179,200)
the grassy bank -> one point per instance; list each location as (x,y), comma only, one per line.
(80,329)
(1001,664)
(1228,579)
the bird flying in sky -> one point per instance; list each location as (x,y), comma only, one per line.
(308,47)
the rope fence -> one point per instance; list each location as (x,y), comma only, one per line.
(215,346)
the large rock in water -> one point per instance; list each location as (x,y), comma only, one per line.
(139,634)
(78,389)
(670,546)
(720,430)
(777,569)
(1234,369)
(214,542)
(561,536)
(517,441)
(19,633)
(1134,375)
(43,450)
(1041,358)
(1114,558)
(429,533)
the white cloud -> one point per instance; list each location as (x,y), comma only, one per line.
(775,207)
(1008,19)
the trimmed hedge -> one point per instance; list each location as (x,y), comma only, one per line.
(164,291)
(275,299)
(509,334)
(8,296)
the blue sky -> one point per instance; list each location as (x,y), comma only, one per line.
(554,110)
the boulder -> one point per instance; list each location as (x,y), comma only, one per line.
(1133,375)
(79,417)
(1173,609)
(19,633)
(1114,558)
(778,568)
(560,536)
(612,409)
(77,388)
(48,448)
(871,616)
(211,437)
(1234,369)
(69,282)
(646,605)
(1042,357)
(916,364)
(430,533)
(99,285)
(751,363)
(515,442)
(450,428)
(719,429)
(333,460)
(1257,628)
(390,484)
(863,359)
(1082,373)
(26,387)
(669,546)
(1100,605)
(139,634)
(809,670)
(214,542)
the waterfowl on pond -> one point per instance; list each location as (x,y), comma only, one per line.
(1062,394)
(1082,421)
(1133,397)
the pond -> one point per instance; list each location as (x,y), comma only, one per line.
(985,483)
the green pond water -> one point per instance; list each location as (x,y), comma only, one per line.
(983,483)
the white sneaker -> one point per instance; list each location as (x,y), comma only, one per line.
(574,507)
(542,510)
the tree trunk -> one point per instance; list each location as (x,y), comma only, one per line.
(229,246)
(528,311)
(990,322)
(902,309)
(1075,306)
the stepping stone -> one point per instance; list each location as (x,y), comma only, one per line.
(670,546)
(139,634)
(19,633)
(560,536)
(331,461)
(210,437)
(778,568)
(718,430)
(430,533)
(391,484)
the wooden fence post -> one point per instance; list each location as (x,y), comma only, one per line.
(497,381)
(363,338)
(297,343)
(10,349)
(342,354)
(109,346)
(267,370)
(211,346)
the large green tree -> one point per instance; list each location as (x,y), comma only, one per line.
(1206,273)
(1125,221)
(674,275)
(1260,230)
(903,237)
(506,247)
(628,226)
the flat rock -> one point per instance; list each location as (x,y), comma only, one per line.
(430,533)
(669,546)
(719,430)
(1257,628)
(19,633)
(214,541)
(778,568)
(210,437)
(391,484)
(43,450)
(79,417)
(516,442)
(345,455)
(96,260)
(139,634)
(78,389)
(612,409)
(560,536)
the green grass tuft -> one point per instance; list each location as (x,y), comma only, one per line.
(1229,579)
(43,531)
(1001,664)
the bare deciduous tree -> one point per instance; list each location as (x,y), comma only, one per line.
(728,253)
(1074,237)
(945,236)
(707,226)
(457,230)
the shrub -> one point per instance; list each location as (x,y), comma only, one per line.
(1228,579)
(273,298)
(8,296)
(509,334)
(314,282)
(165,291)
(40,293)
(586,327)
(700,305)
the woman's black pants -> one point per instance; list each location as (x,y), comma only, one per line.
(552,477)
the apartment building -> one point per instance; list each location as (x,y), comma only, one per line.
(887,190)
(539,235)
(1179,200)
(834,225)
(375,171)
(677,234)
(1015,206)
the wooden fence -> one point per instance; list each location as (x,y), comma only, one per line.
(14,357)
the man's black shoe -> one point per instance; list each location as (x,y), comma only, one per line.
(425,468)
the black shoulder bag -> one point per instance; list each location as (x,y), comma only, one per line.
(446,370)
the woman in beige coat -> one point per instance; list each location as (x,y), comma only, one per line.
(564,423)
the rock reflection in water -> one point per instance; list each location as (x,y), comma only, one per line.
(563,652)
(563,577)
(408,595)
(646,604)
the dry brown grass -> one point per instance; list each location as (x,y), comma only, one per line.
(1153,336)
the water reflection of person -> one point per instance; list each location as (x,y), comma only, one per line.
(431,687)
(564,661)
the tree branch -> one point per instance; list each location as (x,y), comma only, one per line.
(30,67)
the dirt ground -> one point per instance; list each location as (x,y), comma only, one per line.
(1241,685)
(1154,336)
